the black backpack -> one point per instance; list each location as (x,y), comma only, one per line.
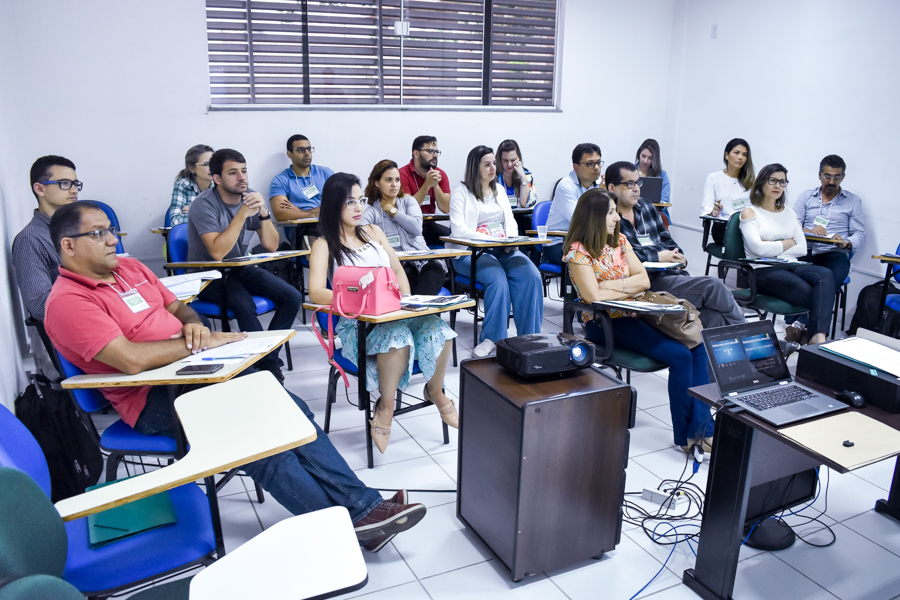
(70,448)
(283,269)
(866,315)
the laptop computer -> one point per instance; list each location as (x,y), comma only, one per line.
(651,189)
(751,371)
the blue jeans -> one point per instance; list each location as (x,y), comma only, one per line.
(839,265)
(244,283)
(808,286)
(509,279)
(305,479)
(687,368)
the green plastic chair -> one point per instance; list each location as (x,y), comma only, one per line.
(761,304)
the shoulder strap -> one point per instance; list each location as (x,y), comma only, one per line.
(329,347)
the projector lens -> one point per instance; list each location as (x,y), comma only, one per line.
(579,354)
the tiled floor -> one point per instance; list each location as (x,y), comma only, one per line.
(440,559)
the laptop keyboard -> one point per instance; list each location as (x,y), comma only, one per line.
(777,397)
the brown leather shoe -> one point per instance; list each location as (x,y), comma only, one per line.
(401,497)
(377,544)
(388,518)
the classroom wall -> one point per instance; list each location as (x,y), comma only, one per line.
(133,95)
(798,80)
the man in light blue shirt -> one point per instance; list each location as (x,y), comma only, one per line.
(296,192)
(586,166)
(829,211)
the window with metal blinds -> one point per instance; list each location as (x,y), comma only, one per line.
(410,52)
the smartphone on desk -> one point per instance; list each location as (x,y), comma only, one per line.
(200,369)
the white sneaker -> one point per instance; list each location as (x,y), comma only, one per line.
(485,348)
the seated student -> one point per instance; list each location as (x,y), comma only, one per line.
(518,181)
(770,230)
(603,266)
(829,210)
(218,227)
(92,327)
(190,181)
(54,184)
(429,185)
(396,345)
(644,228)
(649,164)
(400,218)
(478,210)
(728,191)
(586,166)
(296,192)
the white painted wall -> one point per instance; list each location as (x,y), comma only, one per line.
(123,92)
(798,80)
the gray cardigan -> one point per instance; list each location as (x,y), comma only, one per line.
(407,223)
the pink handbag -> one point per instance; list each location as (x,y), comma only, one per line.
(358,291)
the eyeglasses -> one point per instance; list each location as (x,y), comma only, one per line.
(98,235)
(351,203)
(831,177)
(778,182)
(593,165)
(65,184)
(431,151)
(306,150)
(632,184)
(206,164)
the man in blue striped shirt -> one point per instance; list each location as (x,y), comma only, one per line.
(54,184)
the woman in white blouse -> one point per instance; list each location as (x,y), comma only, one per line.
(770,231)
(728,191)
(479,209)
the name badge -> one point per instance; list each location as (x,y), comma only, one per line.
(394,241)
(311,191)
(513,200)
(134,301)
(820,220)
(644,240)
(739,204)
(496,229)
(427,200)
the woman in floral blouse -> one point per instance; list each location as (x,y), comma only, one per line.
(603,266)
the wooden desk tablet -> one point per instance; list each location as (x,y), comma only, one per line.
(434,255)
(550,232)
(296,222)
(227,425)
(230,264)
(314,555)
(436,217)
(166,375)
(749,451)
(662,204)
(822,240)
(365,324)
(164,231)
(478,248)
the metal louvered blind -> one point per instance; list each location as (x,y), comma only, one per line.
(457,52)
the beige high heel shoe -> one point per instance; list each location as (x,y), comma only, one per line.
(448,412)
(381,435)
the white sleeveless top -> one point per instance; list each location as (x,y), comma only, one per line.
(372,254)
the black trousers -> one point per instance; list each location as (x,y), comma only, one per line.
(432,231)
(428,281)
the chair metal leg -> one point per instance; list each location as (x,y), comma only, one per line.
(333,376)
(112,465)
(708,263)
(446,433)
(287,353)
(453,327)
(260,497)
(628,376)
(397,400)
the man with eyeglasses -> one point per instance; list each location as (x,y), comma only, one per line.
(586,167)
(109,314)
(828,211)
(54,184)
(221,222)
(429,185)
(644,228)
(296,192)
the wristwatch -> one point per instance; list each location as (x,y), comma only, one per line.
(265,218)
(393,211)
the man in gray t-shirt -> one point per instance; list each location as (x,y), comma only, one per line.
(220,223)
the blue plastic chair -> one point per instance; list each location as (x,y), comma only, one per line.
(548,270)
(178,249)
(892,301)
(119,439)
(113,221)
(840,302)
(121,565)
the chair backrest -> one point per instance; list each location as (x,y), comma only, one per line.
(89,400)
(555,185)
(540,214)
(178,245)
(168,222)
(32,535)
(113,221)
(19,450)
(897,269)
(323,320)
(734,239)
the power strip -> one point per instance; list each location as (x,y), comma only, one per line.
(667,501)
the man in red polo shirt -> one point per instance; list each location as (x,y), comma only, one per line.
(107,314)
(424,181)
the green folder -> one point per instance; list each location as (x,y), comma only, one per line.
(129,519)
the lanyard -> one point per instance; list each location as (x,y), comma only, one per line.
(126,292)
(830,206)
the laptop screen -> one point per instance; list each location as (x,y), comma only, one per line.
(745,357)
